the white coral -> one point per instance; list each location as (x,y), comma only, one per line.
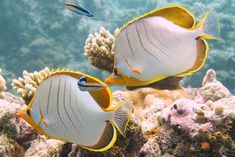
(3,86)
(99,49)
(27,85)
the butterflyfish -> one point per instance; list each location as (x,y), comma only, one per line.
(162,43)
(75,107)
(76,8)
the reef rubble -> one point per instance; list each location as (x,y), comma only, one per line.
(165,123)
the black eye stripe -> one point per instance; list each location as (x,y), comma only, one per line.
(28,113)
(115,71)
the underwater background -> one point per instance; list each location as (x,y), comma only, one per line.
(35,34)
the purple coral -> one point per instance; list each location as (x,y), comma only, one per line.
(182,113)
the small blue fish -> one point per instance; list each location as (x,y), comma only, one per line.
(76,8)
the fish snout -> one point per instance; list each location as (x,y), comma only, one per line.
(108,80)
(20,114)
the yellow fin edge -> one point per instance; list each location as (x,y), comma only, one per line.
(159,78)
(151,12)
(128,119)
(203,62)
(205,36)
(108,146)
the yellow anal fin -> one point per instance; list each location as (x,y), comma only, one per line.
(202,53)
(106,140)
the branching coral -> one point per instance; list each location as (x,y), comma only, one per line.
(99,49)
(27,85)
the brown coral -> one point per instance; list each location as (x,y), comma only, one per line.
(27,85)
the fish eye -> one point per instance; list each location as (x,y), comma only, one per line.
(82,80)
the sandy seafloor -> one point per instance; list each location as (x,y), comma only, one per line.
(35,34)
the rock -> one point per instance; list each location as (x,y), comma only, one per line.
(6,148)
(10,148)
(44,148)
(228,105)
(8,107)
(213,89)
(183,114)
(150,149)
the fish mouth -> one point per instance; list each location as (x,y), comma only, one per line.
(107,81)
(19,114)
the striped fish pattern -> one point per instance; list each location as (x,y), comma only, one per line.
(61,110)
(153,47)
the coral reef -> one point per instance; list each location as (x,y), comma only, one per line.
(165,123)
(27,85)
(12,129)
(99,49)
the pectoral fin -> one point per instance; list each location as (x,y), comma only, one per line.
(42,117)
(137,71)
(134,70)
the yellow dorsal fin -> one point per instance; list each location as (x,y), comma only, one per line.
(202,53)
(103,97)
(176,13)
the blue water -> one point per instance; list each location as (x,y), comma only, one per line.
(35,34)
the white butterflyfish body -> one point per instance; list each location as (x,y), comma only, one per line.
(61,110)
(160,44)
